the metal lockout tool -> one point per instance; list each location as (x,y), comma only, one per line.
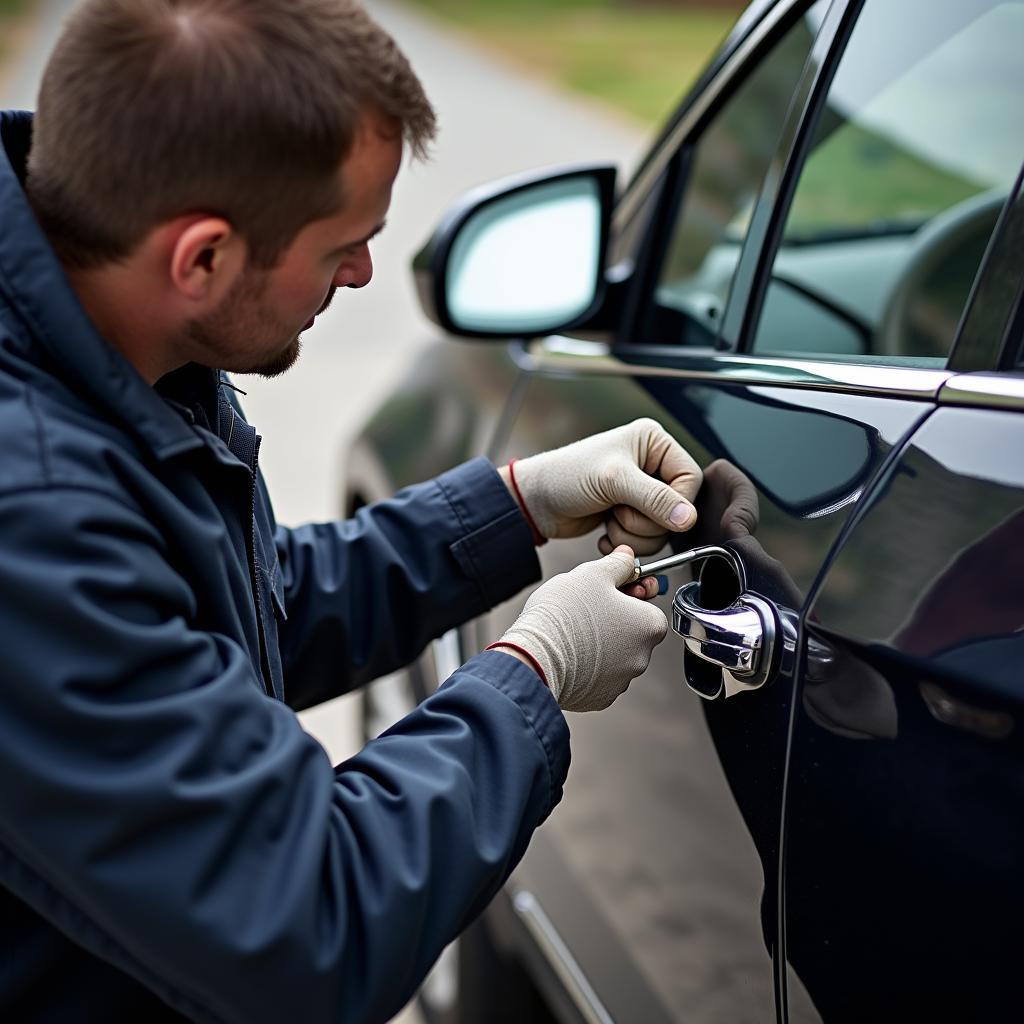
(685,558)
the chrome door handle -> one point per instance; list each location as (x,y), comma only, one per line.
(748,641)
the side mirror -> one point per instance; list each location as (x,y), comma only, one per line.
(522,257)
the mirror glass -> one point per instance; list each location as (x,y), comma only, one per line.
(527,261)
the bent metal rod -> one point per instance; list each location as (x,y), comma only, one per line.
(685,558)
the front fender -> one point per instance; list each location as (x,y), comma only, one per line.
(445,410)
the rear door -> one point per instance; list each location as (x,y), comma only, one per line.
(904,835)
(903,823)
(773,323)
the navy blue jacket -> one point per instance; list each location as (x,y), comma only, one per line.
(171,841)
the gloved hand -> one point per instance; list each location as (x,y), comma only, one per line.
(589,639)
(636,477)
(730,509)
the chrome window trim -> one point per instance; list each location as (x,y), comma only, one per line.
(648,175)
(562,962)
(557,354)
(984,390)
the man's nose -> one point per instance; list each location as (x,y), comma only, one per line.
(355,272)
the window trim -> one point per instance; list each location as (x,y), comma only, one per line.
(560,354)
(667,167)
(985,337)
(985,390)
(707,93)
(653,247)
(750,284)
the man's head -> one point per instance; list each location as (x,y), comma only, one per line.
(220,145)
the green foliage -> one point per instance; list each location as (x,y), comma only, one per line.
(10,11)
(638,58)
(858,177)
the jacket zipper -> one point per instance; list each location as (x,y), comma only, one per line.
(254,573)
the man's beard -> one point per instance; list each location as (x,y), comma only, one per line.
(277,365)
(221,339)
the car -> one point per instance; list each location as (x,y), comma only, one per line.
(811,806)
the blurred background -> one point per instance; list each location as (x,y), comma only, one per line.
(633,56)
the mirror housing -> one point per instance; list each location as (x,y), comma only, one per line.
(521,257)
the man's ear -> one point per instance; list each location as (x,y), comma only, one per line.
(207,257)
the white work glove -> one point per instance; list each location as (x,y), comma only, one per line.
(636,479)
(589,639)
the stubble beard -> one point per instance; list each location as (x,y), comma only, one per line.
(224,340)
(278,364)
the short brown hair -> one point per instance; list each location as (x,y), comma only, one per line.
(244,108)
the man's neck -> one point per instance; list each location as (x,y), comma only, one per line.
(113,301)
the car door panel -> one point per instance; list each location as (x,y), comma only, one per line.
(444,410)
(670,823)
(906,780)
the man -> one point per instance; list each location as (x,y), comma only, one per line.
(200,177)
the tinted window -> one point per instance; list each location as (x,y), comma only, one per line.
(910,164)
(723,175)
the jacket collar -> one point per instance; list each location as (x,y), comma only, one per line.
(33,283)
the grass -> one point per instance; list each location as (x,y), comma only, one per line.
(635,58)
(10,11)
(858,177)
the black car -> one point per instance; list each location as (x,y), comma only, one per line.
(812,805)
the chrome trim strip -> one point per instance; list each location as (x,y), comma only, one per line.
(850,499)
(562,961)
(640,185)
(984,390)
(572,355)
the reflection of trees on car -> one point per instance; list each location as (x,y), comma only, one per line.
(734,154)
(906,175)
(866,182)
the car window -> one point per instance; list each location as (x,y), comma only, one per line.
(910,164)
(723,174)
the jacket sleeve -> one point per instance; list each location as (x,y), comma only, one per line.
(364,596)
(164,813)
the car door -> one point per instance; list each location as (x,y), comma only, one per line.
(903,824)
(903,835)
(787,340)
